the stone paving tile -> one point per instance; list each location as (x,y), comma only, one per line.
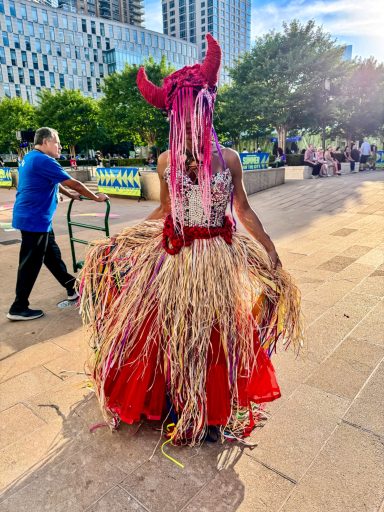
(117,499)
(161,485)
(244,487)
(312,310)
(29,358)
(343,232)
(372,285)
(337,263)
(347,370)
(292,438)
(367,409)
(59,400)
(25,385)
(327,295)
(347,476)
(68,364)
(72,485)
(355,272)
(356,251)
(16,422)
(324,334)
(371,329)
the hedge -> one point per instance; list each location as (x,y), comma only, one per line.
(295,159)
(125,162)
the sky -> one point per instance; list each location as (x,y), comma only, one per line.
(356,22)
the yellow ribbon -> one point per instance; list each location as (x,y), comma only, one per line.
(169,427)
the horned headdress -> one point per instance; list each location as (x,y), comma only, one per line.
(188,95)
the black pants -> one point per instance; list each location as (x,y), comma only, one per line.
(36,249)
(315,168)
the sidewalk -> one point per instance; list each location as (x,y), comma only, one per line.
(321,449)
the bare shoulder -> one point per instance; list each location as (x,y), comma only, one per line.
(232,160)
(162,162)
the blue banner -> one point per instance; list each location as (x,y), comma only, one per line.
(5,177)
(380,158)
(253,161)
(123,181)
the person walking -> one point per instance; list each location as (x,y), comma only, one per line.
(365,153)
(40,180)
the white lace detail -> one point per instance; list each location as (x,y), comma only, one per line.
(221,189)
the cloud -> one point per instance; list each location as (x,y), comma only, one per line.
(153,18)
(360,23)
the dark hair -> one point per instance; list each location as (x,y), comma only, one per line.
(44,133)
(280,151)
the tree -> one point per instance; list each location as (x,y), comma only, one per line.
(124,112)
(73,115)
(15,115)
(361,102)
(279,78)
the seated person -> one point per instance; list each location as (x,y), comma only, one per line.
(310,160)
(280,159)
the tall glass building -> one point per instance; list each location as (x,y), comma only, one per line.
(43,47)
(229,21)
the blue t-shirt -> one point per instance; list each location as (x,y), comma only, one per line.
(36,198)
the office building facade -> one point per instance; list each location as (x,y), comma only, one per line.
(42,47)
(229,21)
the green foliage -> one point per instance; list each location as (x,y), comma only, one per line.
(15,115)
(124,112)
(73,115)
(280,82)
(360,109)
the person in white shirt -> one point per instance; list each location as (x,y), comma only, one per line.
(365,153)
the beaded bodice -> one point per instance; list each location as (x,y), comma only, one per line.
(221,189)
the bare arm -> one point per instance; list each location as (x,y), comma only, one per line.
(246,214)
(165,204)
(83,190)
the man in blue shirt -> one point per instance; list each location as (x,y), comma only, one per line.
(40,179)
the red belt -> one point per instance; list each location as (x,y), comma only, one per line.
(173,242)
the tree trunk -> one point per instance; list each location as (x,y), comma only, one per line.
(72,151)
(281,136)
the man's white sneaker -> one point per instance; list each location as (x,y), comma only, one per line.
(73,296)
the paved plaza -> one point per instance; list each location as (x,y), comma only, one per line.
(321,449)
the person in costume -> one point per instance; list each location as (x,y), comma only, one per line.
(184,311)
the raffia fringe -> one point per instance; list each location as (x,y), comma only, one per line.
(210,283)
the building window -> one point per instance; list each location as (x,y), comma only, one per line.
(65,66)
(24,59)
(44,16)
(74,67)
(8,24)
(83,68)
(52,79)
(48,48)
(55,20)
(16,41)
(5,39)
(98,88)
(38,45)
(10,74)
(90,41)
(31,29)
(27,43)
(13,57)
(70,82)
(7,91)
(58,49)
(60,34)
(67,51)
(95,55)
(61,80)
(21,75)
(93,27)
(98,42)
(23,11)
(101,70)
(52,33)
(86,53)
(42,78)
(12,8)
(71,37)
(41,32)
(92,64)
(64,22)
(32,80)
(45,63)
(110,28)
(1,7)
(74,24)
(55,64)
(29,93)
(35,61)
(102,29)
(77,52)
(89,84)
(20,28)
(34,14)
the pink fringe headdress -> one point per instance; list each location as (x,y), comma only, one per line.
(188,95)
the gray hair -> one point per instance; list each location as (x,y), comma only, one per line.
(44,133)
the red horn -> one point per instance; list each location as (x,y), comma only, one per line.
(211,65)
(152,93)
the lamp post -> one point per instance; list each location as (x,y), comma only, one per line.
(327,90)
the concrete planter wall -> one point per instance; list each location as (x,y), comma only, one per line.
(254,181)
(81,174)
